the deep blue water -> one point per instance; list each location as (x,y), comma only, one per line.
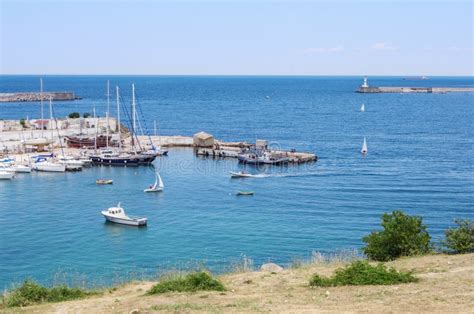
(420,160)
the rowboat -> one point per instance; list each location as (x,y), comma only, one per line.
(104,181)
(241,193)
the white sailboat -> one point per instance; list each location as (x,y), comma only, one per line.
(158,186)
(364,149)
(362,108)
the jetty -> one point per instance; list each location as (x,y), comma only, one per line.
(365,88)
(37,96)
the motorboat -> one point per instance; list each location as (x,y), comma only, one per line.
(104,181)
(241,193)
(240,174)
(70,163)
(22,168)
(158,186)
(6,167)
(4,175)
(43,164)
(117,215)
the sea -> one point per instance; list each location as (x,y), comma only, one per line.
(420,160)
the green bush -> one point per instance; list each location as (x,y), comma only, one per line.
(74,115)
(30,293)
(460,239)
(362,273)
(23,123)
(86,115)
(192,282)
(402,235)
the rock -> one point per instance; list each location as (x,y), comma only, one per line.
(135,311)
(271,267)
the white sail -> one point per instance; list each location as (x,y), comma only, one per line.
(161,185)
(364,149)
(362,108)
(157,186)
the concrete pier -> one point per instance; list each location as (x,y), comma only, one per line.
(37,96)
(365,88)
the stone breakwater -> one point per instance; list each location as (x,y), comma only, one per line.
(440,90)
(37,96)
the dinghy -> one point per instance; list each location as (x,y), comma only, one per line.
(364,149)
(362,108)
(239,193)
(240,174)
(104,181)
(157,186)
(117,215)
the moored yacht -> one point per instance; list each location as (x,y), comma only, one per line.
(117,215)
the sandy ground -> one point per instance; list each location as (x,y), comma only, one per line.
(446,285)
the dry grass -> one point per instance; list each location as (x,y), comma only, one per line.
(446,285)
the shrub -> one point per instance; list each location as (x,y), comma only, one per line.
(403,235)
(23,123)
(30,293)
(362,273)
(197,281)
(74,115)
(86,115)
(460,239)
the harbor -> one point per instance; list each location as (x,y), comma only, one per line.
(37,96)
(366,89)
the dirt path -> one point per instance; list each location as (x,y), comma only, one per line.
(446,285)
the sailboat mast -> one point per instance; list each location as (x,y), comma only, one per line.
(118,117)
(154,126)
(51,119)
(42,115)
(107,113)
(133,115)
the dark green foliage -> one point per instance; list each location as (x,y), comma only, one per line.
(192,282)
(30,293)
(460,239)
(402,235)
(86,115)
(74,115)
(362,273)
(23,123)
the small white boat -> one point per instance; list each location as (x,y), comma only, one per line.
(6,175)
(117,215)
(158,186)
(240,174)
(22,168)
(42,164)
(364,149)
(70,163)
(362,108)
(7,168)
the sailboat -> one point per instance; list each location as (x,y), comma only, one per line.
(362,108)
(364,150)
(158,186)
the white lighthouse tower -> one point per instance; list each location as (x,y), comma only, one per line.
(365,84)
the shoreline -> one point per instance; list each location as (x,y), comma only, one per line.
(446,285)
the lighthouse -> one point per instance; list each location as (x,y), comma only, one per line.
(365,84)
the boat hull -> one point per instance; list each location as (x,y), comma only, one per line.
(129,222)
(120,162)
(6,175)
(48,167)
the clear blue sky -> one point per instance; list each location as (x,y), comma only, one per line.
(248,37)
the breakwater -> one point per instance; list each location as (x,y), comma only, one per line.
(440,90)
(37,96)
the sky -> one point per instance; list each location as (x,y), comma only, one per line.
(237,37)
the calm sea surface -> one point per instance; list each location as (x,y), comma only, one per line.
(420,160)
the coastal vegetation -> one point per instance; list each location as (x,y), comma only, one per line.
(461,238)
(192,282)
(86,115)
(402,235)
(74,115)
(362,273)
(30,293)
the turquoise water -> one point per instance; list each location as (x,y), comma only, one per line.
(420,160)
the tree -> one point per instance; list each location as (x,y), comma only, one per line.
(86,115)
(74,115)
(23,123)
(402,235)
(460,239)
